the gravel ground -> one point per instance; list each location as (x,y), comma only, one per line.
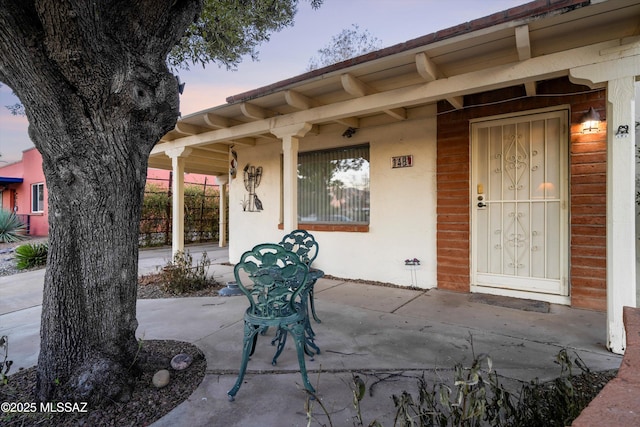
(7,255)
(147,403)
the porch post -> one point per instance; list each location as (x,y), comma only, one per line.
(290,141)
(621,259)
(177,187)
(222,229)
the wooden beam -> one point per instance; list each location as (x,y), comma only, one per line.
(215,121)
(253,111)
(357,87)
(457,102)
(299,101)
(352,122)
(189,129)
(220,148)
(523,43)
(397,113)
(531,88)
(199,153)
(249,142)
(354,86)
(427,69)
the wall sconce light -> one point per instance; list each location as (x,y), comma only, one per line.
(591,121)
(349,132)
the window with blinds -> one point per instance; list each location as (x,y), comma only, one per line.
(333,185)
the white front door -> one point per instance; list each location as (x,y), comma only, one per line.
(519,211)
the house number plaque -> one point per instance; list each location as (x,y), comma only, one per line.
(402,161)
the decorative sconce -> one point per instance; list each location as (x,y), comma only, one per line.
(233,164)
(591,121)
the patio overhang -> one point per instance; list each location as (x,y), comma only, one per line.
(520,46)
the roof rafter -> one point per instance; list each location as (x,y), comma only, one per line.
(215,121)
(430,72)
(189,129)
(299,101)
(523,45)
(302,102)
(357,87)
(253,111)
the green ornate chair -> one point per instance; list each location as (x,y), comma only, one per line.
(276,283)
(305,246)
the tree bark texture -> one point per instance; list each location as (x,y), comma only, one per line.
(98,95)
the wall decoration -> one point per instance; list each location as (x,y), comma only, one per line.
(252,178)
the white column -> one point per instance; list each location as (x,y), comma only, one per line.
(621,244)
(290,136)
(222,229)
(177,188)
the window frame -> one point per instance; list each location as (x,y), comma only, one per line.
(354,225)
(37,198)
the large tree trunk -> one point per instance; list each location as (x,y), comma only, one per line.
(98,94)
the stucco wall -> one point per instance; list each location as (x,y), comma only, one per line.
(403,203)
(30,169)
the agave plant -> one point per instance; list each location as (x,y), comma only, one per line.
(11,228)
(31,255)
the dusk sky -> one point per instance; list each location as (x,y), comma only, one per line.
(288,52)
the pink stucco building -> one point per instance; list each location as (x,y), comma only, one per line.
(23,189)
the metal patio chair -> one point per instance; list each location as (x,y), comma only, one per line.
(305,246)
(276,284)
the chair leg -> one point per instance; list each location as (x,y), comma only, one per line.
(298,332)
(309,339)
(312,304)
(248,347)
(281,339)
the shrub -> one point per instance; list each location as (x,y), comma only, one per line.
(475,397)
(182,276)
(11,228)
(31,255)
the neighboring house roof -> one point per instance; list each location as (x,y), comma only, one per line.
(537,41)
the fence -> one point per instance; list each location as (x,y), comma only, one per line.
(201,213)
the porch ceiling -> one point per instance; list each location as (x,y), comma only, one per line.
(437,66)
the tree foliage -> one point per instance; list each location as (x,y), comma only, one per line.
(227,30)
(349,43)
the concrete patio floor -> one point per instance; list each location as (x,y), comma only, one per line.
(389,336)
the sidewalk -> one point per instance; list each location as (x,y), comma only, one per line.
(390,336)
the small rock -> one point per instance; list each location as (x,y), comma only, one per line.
(181,361)
(161,378)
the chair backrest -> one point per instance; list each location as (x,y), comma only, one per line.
(273,281)
(301,243)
